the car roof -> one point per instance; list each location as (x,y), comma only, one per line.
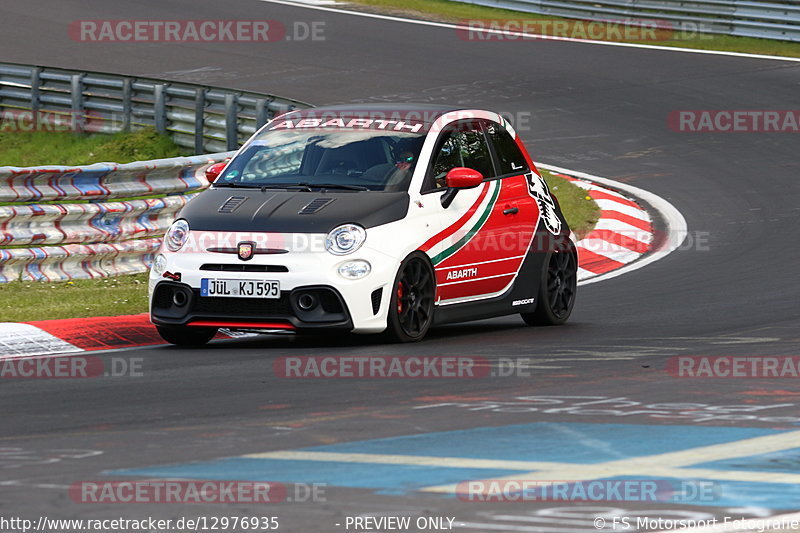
(427,113)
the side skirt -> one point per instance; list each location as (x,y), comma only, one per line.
(524,289)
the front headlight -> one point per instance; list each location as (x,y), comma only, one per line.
(177,235)
(345,239)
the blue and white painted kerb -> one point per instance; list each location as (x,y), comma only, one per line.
(435,463)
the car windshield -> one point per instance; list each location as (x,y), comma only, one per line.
(347,159)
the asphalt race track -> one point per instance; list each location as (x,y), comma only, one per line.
(731,290)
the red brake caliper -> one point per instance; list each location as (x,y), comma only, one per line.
(399,297)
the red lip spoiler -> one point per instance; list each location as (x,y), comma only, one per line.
(249,325)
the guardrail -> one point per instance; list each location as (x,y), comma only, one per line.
(62,223)
(201,118)
(767,20)
(73,238)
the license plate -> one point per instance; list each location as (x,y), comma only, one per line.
(240,288)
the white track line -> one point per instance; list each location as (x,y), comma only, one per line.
(521,34)
(410,460)
(676,230)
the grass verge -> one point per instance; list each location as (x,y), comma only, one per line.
(578,207)
(447,11)
(22,301)
(33,148)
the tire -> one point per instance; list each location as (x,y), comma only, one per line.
(412,302)
(186,336)
(557,288)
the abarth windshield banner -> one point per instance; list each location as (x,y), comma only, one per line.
(349,123)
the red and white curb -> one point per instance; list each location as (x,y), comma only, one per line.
(622,240)
(623,233)
(75,335)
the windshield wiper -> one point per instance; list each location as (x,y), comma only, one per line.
(303,186)
(233,185)
(309,187)
(265,186)
(337,186)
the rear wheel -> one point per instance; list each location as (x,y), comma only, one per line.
(557,289)
(411,306)
(185,335)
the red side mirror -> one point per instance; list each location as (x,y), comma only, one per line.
(463,178)
(213,172)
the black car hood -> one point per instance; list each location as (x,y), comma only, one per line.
(230,209)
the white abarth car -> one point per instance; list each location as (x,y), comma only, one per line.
(366,219)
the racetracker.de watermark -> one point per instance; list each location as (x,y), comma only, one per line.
(597,490)
(71,367)
(57,121)
(734,121)
(195,491)
(194,31)
(611,30)
(405,119)
(517,243)
(725,366)
(400,367)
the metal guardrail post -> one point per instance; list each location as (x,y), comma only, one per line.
(35,97)
(127,113)
(262,111)
(199,120)
(231,125)
(160,108)
(76,90)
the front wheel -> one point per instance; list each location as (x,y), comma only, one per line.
(186,335)
(556,290)
(411,305)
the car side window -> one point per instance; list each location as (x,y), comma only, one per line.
(449,156)
(510,158)
(462,145)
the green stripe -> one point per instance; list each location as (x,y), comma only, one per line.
(438,258)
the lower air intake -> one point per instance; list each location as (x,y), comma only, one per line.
(376,300)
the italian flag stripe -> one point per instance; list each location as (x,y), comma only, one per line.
(441,256)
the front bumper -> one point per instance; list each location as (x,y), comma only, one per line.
(358,305)
(178,304)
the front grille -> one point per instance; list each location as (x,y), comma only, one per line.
(245,307)
(376,300)
(257,251)
(223,267)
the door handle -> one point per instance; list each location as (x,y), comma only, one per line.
(511,211)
